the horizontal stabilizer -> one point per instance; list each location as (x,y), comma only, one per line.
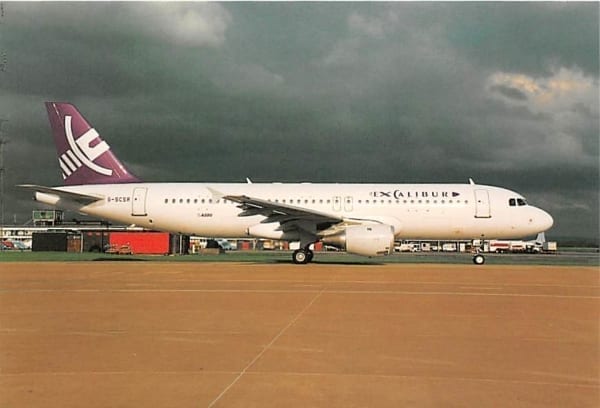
(66,195)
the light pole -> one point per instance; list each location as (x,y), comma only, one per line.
(2,143)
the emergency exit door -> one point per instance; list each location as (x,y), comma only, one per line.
(337,203)
(138,201)
(348,204)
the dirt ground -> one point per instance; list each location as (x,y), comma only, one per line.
(144,334)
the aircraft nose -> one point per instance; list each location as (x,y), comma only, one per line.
(544,220)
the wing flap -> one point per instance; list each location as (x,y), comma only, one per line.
(288,216)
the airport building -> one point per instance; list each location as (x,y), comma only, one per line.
(50,232)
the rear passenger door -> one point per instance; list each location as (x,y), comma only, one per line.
(138,201)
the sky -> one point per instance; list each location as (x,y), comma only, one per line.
(503,93)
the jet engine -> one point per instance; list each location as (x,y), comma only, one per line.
(365,240)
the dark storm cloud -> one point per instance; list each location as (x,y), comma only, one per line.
(371,92)
(526,37)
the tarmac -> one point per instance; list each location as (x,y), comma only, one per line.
(149,334)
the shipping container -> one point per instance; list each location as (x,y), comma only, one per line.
(49,241)
(150,243)
(179,244)
(95,241)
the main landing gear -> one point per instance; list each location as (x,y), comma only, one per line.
(302,256)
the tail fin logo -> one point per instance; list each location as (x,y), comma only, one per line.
(82,152)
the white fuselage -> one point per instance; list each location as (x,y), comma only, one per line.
(416,211)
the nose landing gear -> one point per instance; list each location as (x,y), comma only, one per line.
(478,259)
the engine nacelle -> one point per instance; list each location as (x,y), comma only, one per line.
(365,240)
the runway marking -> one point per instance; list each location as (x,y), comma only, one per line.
(388,282)
(481,287)
(267,347)
(590,385)
(430,377)
(359,282)
(330,291)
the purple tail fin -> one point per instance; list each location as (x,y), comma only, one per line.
(83,156)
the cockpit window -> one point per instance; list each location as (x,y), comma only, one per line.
(513,202)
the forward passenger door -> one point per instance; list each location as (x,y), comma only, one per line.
(482,204)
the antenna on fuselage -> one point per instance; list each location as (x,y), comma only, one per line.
(471,182)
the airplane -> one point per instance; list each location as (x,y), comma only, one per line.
(363,219)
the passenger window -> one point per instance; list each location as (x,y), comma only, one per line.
(512,202)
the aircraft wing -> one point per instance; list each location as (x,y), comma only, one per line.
(289,217)
(83,199)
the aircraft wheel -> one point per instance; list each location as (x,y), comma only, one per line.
(478,259)
(309,255)
(300,257)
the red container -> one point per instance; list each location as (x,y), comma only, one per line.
(142,242)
